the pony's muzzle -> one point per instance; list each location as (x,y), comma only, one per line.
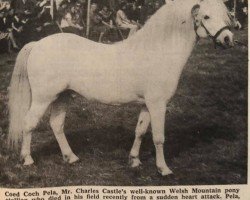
(225,39)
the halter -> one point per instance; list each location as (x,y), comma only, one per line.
(209,34)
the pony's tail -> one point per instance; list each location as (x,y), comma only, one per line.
(19,96)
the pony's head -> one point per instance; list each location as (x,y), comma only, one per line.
(211,19)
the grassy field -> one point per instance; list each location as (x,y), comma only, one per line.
(206,131)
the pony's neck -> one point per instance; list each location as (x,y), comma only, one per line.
(170,30)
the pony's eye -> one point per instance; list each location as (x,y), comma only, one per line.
(206,17)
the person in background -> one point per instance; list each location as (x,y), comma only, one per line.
(78,14)
(45,25)
(106,14)
(2,5)
(63,7)
(27,10)
(25,7)
(123,21)
(6,28)
(68,24)
(83,9)
(97,23)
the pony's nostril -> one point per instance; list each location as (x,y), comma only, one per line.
(227,40)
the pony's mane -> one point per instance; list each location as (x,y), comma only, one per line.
(172,21)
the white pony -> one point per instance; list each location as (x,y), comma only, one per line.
(145,69)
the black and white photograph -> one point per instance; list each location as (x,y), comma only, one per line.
(123,93)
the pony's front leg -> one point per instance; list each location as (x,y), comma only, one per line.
(141,129)
(157,110)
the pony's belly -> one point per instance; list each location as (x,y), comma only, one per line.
(111,97)
(107,94)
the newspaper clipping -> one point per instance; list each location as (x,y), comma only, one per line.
(124,100)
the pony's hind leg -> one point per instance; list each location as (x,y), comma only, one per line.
(31,120)
(57,118)
(141,129)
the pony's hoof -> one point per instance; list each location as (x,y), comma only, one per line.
(72,158)
(134,162)
(165,171)
(28,160)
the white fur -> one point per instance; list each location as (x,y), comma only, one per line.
(145,68)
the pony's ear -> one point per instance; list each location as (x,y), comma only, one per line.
(195,10)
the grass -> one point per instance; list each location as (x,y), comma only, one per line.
(206,131)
